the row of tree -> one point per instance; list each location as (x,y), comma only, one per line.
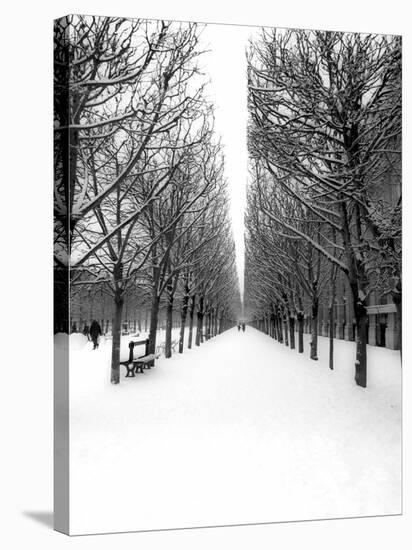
(324,198)
(141,208)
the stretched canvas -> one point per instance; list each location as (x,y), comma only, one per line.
(227,274)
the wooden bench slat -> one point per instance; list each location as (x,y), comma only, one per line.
(145,358)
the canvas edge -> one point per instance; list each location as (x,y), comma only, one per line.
(61,417)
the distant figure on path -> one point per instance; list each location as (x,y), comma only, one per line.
(95,332)
(86,331)
(238,327)
(243,327)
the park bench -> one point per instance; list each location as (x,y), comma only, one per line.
(160,349)
(135,364)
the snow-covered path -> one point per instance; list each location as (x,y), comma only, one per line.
(240,430)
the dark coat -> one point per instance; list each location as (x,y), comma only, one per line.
(95,329)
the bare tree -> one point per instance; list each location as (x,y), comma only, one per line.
(325,116)
(119,85)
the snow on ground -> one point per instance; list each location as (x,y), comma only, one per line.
(240,430)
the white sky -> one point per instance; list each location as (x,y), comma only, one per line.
(226,66)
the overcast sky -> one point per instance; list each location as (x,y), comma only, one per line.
(226,65)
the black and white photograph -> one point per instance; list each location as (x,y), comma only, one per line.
(205,240)
(227,274)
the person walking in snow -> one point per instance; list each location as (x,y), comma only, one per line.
(95,332)
(243,327)
(238,327)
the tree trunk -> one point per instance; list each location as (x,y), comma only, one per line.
(191,315)
(275,327)
(285,321)
(361,316)
(332,314)
(280,328)
(357,282)
(314,335)
(116,333)
(215,321)
(154,317)
(199,328)
(207,327)
(397,300)
(169,321)
(221,323)
(292,332)
(183,315)
(301,321)
(331,332)
(399,319)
